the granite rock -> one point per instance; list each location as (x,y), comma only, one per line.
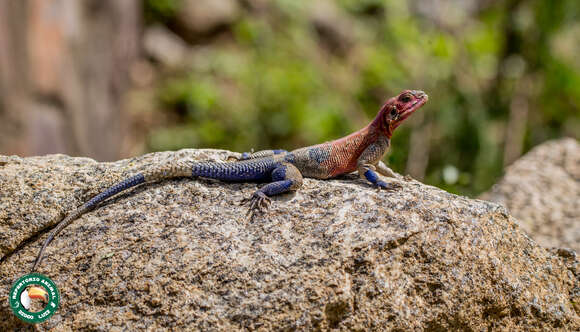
(200,17)
(542,191)
(164,46)
(337,254)
(333,27)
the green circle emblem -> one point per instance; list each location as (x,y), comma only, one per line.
(20,303)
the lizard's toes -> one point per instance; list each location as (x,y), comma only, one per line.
(242,156)
(245,201)
(382,185)
(259,202)
(264,204)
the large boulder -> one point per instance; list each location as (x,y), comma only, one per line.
(334,28)
(197,18)
(164,46)
(542,190)
(181,254)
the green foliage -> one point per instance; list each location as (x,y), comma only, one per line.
(272,83)
(160,10)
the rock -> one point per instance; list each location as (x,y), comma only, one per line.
(334,28)
(542,191)
(199,17)
(164,46)
(180,254)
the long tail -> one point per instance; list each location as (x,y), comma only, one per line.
(178,169)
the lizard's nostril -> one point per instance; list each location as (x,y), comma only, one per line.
(420,94)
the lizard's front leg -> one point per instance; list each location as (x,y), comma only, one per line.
(386,170)
(370,157)
(285,177)
(367,172)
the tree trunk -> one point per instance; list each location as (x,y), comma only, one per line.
(63,71)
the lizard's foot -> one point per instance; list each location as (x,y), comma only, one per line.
(259,202)
(243,156)
(259,154)
(382,185)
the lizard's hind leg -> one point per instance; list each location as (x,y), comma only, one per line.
(285,177)
(261,154)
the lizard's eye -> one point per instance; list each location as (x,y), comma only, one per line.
(405,98)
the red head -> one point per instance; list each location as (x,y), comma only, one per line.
(399,108)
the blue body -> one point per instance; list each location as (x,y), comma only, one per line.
(253,170)
(257,170)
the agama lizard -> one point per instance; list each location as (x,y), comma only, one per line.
(361,150)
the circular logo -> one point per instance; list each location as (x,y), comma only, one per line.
(34,298)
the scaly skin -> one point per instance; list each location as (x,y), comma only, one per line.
(360,151)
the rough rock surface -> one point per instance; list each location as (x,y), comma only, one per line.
(542,191)
(336,254)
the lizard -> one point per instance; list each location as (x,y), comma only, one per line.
(360,151)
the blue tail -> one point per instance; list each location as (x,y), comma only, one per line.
(123,185)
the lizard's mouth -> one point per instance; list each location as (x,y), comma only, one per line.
(422,98)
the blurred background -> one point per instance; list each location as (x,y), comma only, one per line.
(111,79)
